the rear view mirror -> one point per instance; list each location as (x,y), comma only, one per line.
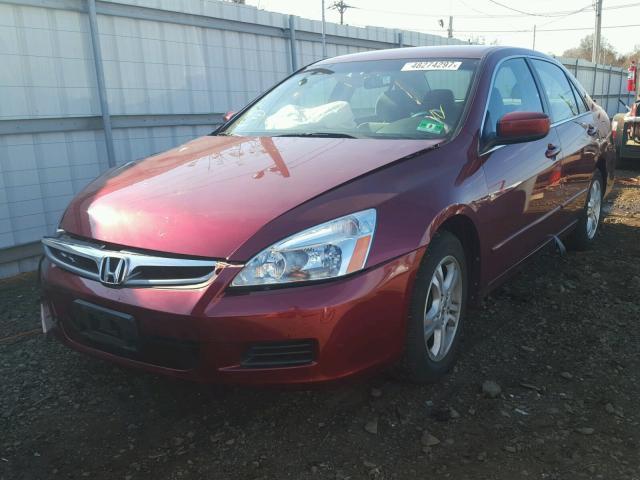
(518,127)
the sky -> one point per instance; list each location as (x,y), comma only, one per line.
(486,19)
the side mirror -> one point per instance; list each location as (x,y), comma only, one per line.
(228,116)
(519,127)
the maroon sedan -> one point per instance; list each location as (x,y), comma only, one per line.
(342,222)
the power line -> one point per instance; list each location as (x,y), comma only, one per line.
(585,28)
(440,15)
(583,9)
(538,30)
(434,15)
(626,5)
(556,18)
(565,15)
(557,14)
(531,14)
(484,14)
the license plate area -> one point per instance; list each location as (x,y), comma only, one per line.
(104,327)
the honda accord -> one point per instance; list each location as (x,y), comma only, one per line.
(342,222)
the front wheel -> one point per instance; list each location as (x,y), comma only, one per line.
(585,232)
(437,310)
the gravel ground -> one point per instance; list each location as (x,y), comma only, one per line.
(548,388)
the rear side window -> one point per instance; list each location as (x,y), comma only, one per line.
(513,90)
(582,104)
(562,101)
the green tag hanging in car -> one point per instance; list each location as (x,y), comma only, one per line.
(430,125)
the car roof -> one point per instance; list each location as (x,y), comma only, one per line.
(441,51)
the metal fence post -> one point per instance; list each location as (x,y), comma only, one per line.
(102,91)
(619,90)
(400,40)
(608,89)
(292,42)
(576,68)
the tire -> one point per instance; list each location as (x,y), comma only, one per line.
(584,234)
(428,356)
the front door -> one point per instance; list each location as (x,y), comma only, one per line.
(523,179)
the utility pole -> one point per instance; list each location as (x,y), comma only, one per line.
(534,38)
(450,31)
(596,35)
(324,37)
(341,7)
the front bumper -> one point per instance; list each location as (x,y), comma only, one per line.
(355,324)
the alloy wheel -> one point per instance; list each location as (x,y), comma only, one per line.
(593,209)
(443,308)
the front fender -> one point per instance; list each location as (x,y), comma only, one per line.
(444,216)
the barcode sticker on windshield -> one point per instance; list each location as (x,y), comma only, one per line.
(431,65)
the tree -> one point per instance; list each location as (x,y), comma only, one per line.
(625,60)
(608,54)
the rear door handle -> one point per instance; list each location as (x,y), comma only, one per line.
(552,151)
(591,130)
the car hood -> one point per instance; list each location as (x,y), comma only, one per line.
(209,196)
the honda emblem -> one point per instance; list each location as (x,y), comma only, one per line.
(113,270)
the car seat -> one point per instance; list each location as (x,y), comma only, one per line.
(441,99)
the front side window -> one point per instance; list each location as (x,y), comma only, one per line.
(513,90)
(562,102)
(407,98)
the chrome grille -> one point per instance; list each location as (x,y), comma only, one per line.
(124,267)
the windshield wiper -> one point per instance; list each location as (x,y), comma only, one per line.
(317,134)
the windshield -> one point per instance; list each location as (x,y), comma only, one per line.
(416,99)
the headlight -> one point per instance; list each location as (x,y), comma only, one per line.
(329,250)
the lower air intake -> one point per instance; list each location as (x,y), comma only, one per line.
(280,354)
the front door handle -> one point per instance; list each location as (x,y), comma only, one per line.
(552,151)
(591,130)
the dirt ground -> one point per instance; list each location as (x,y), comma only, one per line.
(561,340)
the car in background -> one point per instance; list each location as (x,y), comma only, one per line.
(342,222)
(625,131)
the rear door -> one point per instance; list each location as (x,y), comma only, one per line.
(523,179)
(578,136)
